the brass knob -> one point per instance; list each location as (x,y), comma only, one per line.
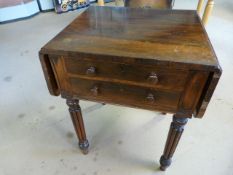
(95,90)
(91,71)
(153,78)
(150,97)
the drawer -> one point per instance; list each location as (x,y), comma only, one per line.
(127,74)
(122,94)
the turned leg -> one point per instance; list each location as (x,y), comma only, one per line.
(100,2)
(208,11)
(174,135)
(199,6)
(118,2)
(77,119)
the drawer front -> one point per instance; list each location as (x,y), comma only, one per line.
(133,96)
(127,74)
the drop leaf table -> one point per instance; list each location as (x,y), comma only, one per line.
(160,60)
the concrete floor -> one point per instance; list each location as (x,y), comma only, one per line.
(37,135)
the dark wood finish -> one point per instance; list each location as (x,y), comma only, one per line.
(157,4)
(49,75)
(207,94)
(145,76)
(125,95)
(174,135)
(77,119)
(191,94)
(151,59)
(168,38)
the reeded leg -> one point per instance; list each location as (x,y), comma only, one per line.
(76,116)
(174,135)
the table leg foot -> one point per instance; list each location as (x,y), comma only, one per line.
(77,119)
(174,135)
(84,147)
(164,163)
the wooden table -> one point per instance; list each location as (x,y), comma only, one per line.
(158,60)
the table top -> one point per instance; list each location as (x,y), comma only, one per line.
(154,36)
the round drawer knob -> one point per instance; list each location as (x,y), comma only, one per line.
(153,78)
(91,71)
(95,90)
(150,97)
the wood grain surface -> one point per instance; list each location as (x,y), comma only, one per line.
(167,36)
